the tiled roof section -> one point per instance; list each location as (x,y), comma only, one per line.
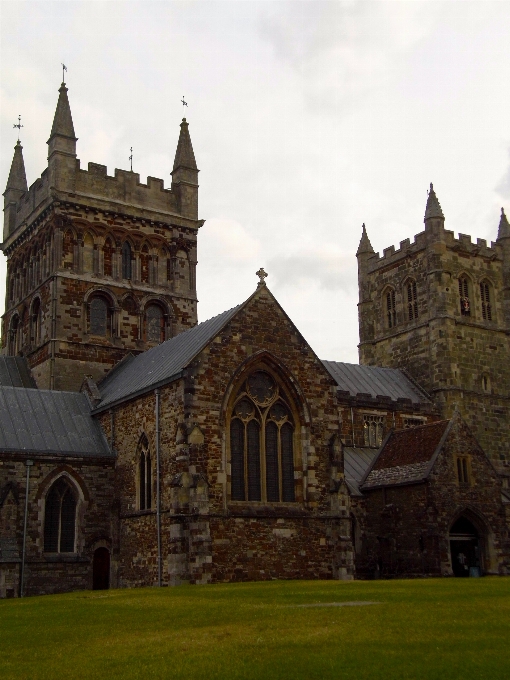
(375,382)
(356,463)
(14,372)
(49,422)
(401,474)
(160,363)
(406,455)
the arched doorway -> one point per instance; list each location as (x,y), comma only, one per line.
(465,548)
(101,569)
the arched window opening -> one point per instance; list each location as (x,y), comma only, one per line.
(465,305)
(144,476)
(262,442)
(144,264)
(108,251)
(154,324)
(98,312)
(35,322)
(67,250)
(12,284)
(126,260)
(60,518)
(391,309)
(412,301)
(14,335)
(485,295)
(88,253)
(373,430)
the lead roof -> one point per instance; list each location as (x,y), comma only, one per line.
(49,422)
(14,372)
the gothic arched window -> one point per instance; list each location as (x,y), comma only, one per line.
(465,304)
(126,260)
(144,475)
(262,442)
(144,264)
(60,518)
(98,313)
(485,295)
(391,309)
(154,324)
(412,300)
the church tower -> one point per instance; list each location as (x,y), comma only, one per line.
(440,308)
(97,266)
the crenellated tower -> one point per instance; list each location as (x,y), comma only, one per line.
(439,307)
(99,266)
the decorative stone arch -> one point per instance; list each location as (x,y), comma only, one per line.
(69,242)
(146,260)
(389,307)
(280,428)
(164,265)
(112,312)
(75,481)
(129,303)
(35,317)
(148,324)
(410,298)
(465,294)
(89,252)
(484,535)
(107,259)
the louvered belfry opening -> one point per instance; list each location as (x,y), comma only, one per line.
(60,518)
(262,442)
(391,309)
(485,296)
(465,305)
(412,300)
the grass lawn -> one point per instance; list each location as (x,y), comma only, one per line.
(433,628)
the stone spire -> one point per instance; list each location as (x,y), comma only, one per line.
(364,245)
(433,208)
(63,121)
(17,176)
(184,156)
(504,227)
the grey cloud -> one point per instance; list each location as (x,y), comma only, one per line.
(503,187)
(332,272)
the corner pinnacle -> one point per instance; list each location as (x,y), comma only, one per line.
(184,156)
(63,120)
(433,208)
(504,227)
(17,177)
(364,245)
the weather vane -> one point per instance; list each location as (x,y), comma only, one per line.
(131,158)
(183,102)
(64,69)
(19,126)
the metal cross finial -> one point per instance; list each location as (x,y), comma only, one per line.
(183,102)
(131,158)
(64,69)
(262,275)
(19,126)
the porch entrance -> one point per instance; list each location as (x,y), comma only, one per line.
(101,569)
(465,548)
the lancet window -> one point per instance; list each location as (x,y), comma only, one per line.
(126,260)
(144,475)
(391,309)
(412,301)
(262,442)
(60,518)
(465,304)
(485,295)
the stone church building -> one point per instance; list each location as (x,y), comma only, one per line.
(140,447)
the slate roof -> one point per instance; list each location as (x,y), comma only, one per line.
(14,372)
(49,422)
(356,463)
(374,381)
(160,364)
(405,456)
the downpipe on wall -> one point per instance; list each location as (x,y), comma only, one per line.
(158,490)
(29,464)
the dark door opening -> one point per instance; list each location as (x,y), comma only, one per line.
(101,569)
(465,548)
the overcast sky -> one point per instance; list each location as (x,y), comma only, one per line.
(307,119)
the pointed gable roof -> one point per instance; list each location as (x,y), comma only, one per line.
(364,245)
(433,208)
(184,156)
(63,120)
(17,176)
(406,455)
(504,227)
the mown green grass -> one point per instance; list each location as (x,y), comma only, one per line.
(449,628)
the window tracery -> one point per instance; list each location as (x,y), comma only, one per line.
(262,442)
(373,430)
(60,518)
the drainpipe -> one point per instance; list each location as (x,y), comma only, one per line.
(352,424)
(53,338)
(158,489)
(29,464)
